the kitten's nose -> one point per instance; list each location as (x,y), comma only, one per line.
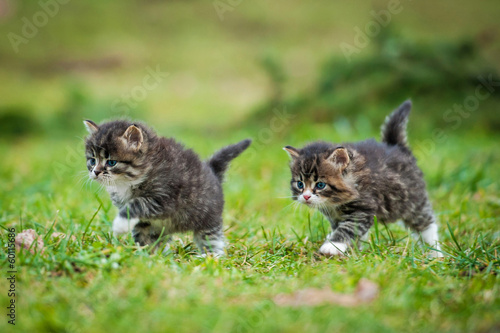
(97,172)
(307,197)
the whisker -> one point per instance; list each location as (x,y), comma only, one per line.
(290,204)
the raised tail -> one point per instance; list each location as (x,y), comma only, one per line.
(394,127)
(220,160)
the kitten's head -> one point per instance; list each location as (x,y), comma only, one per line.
(116,152)
(321,175)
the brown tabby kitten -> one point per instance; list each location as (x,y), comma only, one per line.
(159,186)
(353,182)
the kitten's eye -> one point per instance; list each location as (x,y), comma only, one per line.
(111,163)
(92,161)
(300,185)
(320,185)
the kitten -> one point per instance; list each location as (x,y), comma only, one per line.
(353,182)
(159,186)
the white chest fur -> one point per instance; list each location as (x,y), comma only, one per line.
(120,193)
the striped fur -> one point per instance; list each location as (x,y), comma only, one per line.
(352,183)
(158,184)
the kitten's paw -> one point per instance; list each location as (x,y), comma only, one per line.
(215,255)
(167,251)
(123,225)
(333,249)
(436,254)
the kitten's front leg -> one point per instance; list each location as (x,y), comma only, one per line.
(350,228)
(130,214)
(127,218)
(123,225)
(331,248)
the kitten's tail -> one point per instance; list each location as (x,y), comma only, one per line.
(394,127)
(220,160)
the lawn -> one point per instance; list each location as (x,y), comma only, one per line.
(86,280)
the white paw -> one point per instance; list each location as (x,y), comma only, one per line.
(167,250)
(430,236)
(437,253)
(333,249)
(215,255)
(123,225)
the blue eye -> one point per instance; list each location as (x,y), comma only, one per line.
(320,185)
(300,185)
(92,161)
(111,163)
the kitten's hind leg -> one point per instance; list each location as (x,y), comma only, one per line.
(210,241)
(430,236)
(424,224)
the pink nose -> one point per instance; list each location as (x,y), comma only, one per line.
(307,196)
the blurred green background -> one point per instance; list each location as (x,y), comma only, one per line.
(211,73)
(234,60)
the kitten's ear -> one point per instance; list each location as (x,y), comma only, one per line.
(292,152)
(340,158)
(91,126)
(133,137)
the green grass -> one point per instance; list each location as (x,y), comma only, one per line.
(99,283)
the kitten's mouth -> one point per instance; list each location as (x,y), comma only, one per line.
(103,179)
(313,203)
(309,203)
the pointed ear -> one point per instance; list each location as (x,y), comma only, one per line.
(91,126)
(292,152)
(340,158)
(133,137)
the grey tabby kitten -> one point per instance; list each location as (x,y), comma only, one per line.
(353,182)
(159,186)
